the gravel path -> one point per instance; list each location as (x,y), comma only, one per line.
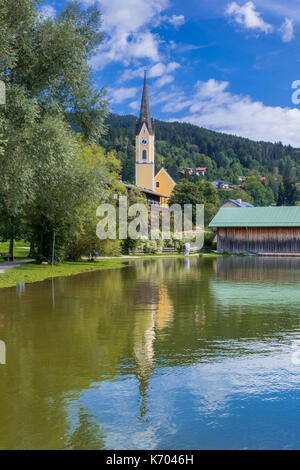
(12,264)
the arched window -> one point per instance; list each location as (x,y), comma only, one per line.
(144,155)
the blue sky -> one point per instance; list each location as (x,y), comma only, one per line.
(227,66)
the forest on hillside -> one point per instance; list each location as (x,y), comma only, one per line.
(181,145)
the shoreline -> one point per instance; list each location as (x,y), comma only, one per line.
(29,272)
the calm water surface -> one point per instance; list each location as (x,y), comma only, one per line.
(162,354)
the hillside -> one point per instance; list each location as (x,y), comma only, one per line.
(185,145)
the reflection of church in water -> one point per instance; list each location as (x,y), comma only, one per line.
(156,314)
(153,298)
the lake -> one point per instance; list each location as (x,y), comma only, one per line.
(161,354)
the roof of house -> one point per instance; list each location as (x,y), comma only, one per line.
(220,181)
(257,217)
(238,203)
(144,190)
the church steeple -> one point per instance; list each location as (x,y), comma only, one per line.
(145,116)
(144,138)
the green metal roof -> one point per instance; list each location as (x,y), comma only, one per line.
(257,217)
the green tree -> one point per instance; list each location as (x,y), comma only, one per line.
(16,165)
(45,66)
(62,184)
(102,171)
(224,195)
(261,195)
(290,191)
(202,192)
(281,195)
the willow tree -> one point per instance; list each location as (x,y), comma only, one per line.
(45,66)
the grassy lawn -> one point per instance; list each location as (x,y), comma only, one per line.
(19,251)
(37,272)
(213,255)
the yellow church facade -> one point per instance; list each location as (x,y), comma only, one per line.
(145,177)
(164,183)
(145,159)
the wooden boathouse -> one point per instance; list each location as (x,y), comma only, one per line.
(258,230)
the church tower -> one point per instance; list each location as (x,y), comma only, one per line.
(145,167)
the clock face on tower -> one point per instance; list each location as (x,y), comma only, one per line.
(144,141)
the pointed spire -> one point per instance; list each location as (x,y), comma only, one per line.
(145,115)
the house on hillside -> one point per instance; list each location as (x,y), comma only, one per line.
(236,203)
(201,170)
(258,230)
(219,184)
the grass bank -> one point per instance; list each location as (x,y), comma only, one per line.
(174,255)
(39,272)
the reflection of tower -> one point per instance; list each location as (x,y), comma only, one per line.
(143,350)
(157,314)
(164,309)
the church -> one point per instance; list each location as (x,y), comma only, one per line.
(156,187)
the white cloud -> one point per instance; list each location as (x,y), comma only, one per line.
(124,49)
(287,30)
(135,105)
(176,105)
(47,11)
(128,29)
(161,69)
(164,81)
(156,70)
(172,101)
(281,8)
(214,107)
(119,95)
(248,17)
(175,20)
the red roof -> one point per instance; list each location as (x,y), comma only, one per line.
(201,169)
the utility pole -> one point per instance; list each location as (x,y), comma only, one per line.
(53,249)
(2,93)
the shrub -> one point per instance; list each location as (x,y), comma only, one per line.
(129,245)
(110,247)
(209,242)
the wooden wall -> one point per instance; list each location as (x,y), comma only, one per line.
(259,240)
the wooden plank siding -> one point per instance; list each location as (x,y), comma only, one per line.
(259,240)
